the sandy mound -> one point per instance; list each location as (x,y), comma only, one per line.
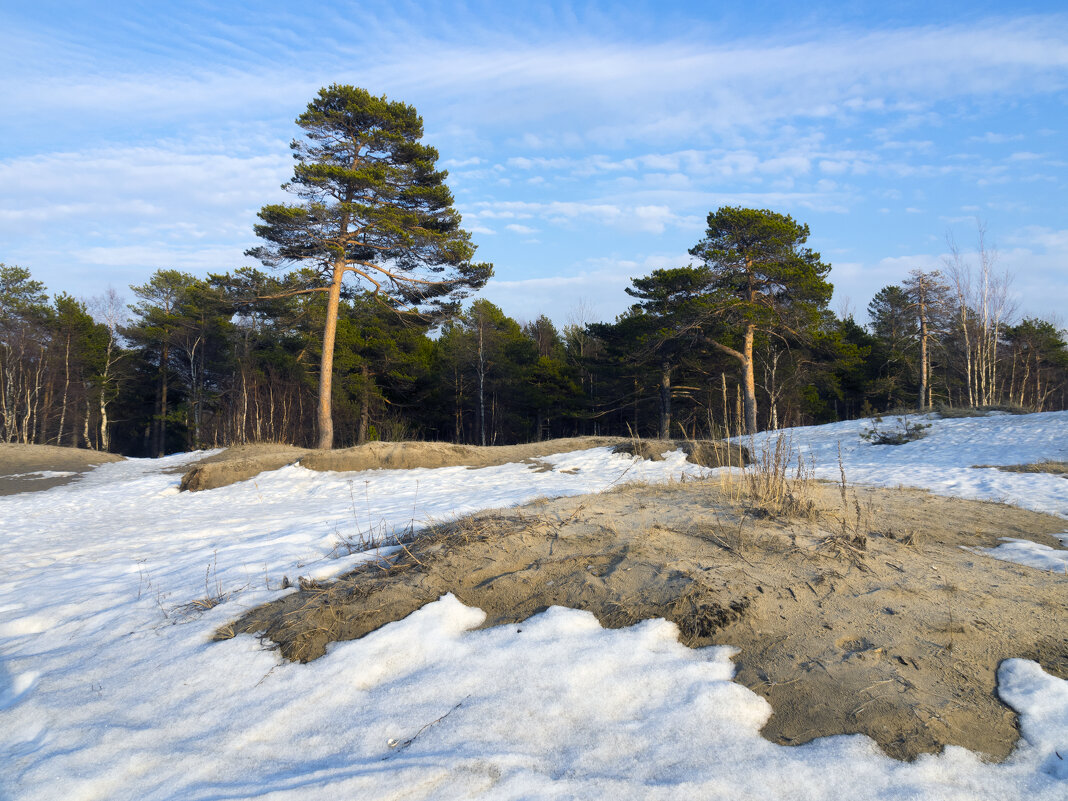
(705,452)
(238,463)
(244,462)
(897,637)
(21,466)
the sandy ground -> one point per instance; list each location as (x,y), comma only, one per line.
(21,466)
(243,462)
(868,614)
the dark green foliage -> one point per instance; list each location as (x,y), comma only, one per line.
(53,365)
(763,280)
(373,205)
(372,201)
(236,358)
(1039,363)
(761,272)
(895,352)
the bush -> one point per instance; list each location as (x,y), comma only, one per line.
(907,432)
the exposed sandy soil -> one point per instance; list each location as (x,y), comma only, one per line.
(19,463)
(1056,468)
(246,461)
(898,637)
(238,463)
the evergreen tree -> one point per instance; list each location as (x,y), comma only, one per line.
(74,336)
(157,332)
(1039,362)
(372,205)
(673,305)
(895,328)
(552,382)
(762,279)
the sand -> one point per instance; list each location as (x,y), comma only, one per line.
(21,466)
(243,462)
(898,637)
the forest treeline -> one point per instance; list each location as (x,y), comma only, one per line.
(365,337)
(193,363)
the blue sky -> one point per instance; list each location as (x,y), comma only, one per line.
(586,143)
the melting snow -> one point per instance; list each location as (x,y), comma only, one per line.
(111,689)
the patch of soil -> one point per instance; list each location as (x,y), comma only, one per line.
(21,466)
(246,461)
(238,463)
(1056,468)
(705,452)
(898,637)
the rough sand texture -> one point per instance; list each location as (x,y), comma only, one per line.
(899,640)
(246,461)
(19,463)
(239,463)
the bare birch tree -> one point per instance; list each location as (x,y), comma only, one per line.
(984,307)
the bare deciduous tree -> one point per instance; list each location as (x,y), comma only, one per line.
(984,308)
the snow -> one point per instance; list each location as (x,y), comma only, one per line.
(1032,554)
(947,461)
(110,686)
(39,474)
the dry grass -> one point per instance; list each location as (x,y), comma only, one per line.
(849,540)
(949,412)
(777,482)
(214,594)
(1048,466)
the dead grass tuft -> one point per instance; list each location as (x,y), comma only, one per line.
(1045,466)
(778,482)
(949,412)
(849,540)
(213,592)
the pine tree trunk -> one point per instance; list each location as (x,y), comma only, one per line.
(326,364)
(161,442)
(481,385)
(923,356)
(365,407)
(749,382)
(665,399)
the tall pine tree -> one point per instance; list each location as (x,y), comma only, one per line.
(372,205)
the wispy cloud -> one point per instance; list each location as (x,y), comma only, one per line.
(602,91)
(161,130)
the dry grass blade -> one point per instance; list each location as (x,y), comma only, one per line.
(778,481)
(213,592)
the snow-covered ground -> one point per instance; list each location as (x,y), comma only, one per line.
(110,687)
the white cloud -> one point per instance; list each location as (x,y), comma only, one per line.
(819,121)
(996,138)
(474,161)
(578,91)
(601,278)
